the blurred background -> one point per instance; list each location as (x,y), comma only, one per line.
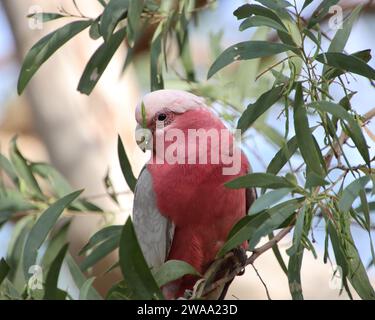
(78,134)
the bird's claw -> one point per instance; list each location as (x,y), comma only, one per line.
(240,255)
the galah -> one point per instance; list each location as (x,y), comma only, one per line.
(183,211)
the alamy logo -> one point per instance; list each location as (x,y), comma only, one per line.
(336,21)
(36,17)
(193,146)
(36,280)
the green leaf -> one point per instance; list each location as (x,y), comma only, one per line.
(137,276)
(4,270)
(6,165)
(134,18)
(94,30)
(120,291)
(248,10)
(294,274)
(15,249)
(304,136)
(173,270)
(282,156)
(351,192)
(255,110)
(57,241)
(23,169)
(306,3)
(157,81)
(261,180)
(321,11)
(99,62)
(103,3)
(115,11)
(245,51)
(80,279)
(261,22)
(298,231)
(84,291)
(52,292)
(13,201)
(58,183)
(44,49)
(347,63)
(41,229)
(355,131)
(45,16)
(276,216)
(101,251)
(102,235)
(125,165)
(9,291)
(314,180)
(267,200)
(348,259)
(342,35)
(275,4)
(242,231)
(332,73)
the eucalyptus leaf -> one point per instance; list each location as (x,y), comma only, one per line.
(261,180)
(44,49)
(115,11)
(125,165)
(245,51)
(137,276)
(173,270)
(99,62)
(42,227)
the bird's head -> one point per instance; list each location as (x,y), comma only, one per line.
(164,109)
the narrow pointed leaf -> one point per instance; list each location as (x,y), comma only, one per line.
(347,63)
(304,136)
(245,51)
(267,200)
(294,274)
(100,236)
(101,251)
(355,131)
(125,165)
(261,22)
(99,62)
(173,270)
(112,14)
(137,276)
(45,48)
(351,192)
(79,278)
(42,227)
(255,110)
(84,291)
(276,216)
(23,169)
(4,270)
(52,292)
(261,180)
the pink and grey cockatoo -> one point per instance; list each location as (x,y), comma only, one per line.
(183,211)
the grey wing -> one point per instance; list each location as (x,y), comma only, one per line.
(154,231)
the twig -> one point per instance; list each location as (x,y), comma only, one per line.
(261,280)
(239,267)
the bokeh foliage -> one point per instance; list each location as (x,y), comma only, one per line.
(290,75)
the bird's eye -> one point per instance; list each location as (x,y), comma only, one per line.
(162,116)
